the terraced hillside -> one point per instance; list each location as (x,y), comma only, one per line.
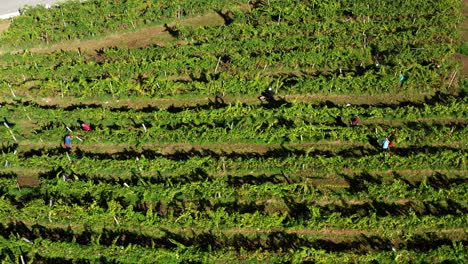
(185,164)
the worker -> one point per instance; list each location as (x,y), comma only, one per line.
(392,139)
(385,144)
(68,141)
(403,78)
(267,95)
(85,126)
(354,121)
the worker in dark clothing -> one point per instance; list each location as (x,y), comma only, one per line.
(267,95)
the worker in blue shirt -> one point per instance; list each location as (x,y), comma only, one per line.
(67,141)
(385,144)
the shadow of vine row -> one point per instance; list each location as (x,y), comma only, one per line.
(275,241)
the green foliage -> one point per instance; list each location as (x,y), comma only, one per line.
(463,48)
(236,181)
(75,19)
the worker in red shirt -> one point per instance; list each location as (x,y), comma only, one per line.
(354,121)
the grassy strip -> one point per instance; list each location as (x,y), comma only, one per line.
(45,251)
(139,103)
(334,240)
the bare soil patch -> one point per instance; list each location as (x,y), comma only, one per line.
(28,181)
(464,67)
(4,25)
(464,38)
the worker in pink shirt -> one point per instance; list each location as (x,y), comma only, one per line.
(84,126)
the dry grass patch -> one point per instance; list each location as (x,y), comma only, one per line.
(4,25)
(464,66)
(28,181)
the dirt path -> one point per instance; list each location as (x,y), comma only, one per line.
(343,233)
(161,103)
(171,148)
(463,27)
(223,149)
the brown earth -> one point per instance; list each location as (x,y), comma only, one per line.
(464,67)
(4,25)
(330,232)
(464,38)
(161,103)
(28,181)
(167,149)
(226,148)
